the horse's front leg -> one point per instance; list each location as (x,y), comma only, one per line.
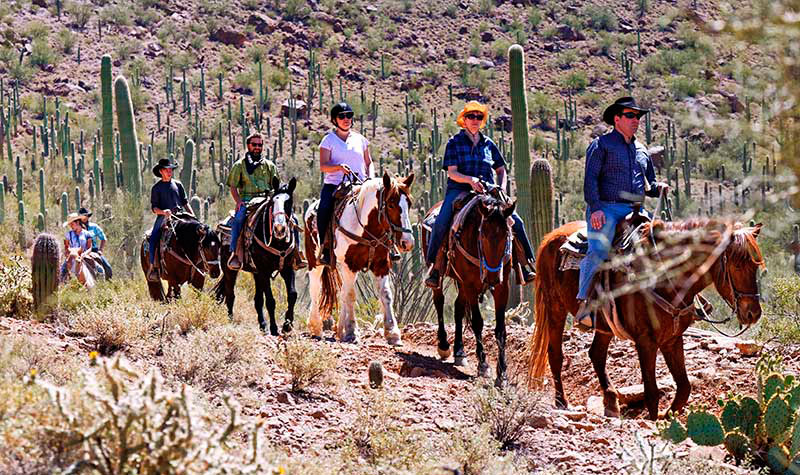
(315,291)
(673,354)
(459,310)
(266,287)
(598,353)
(291,297)
(647,351)
(443,347)
(258,301)
(500,295)
(347,329)
(476,321)
(383,285)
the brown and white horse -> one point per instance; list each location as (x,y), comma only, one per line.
(373,221)
(76,267)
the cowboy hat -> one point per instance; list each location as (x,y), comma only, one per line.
(85,212)
(163,163)
(618,106)
(70,218)
(473,106)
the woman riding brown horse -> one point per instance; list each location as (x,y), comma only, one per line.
(677,260)
(479,260)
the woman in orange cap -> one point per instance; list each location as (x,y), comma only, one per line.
(470,158)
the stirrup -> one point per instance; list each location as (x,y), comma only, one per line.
(582,317)
(433,279)
(234,263)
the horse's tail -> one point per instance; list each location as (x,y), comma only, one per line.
(331,283)
(537,359)
(218,289)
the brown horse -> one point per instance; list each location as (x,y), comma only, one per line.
(479,260)
(674,263)
(192,254)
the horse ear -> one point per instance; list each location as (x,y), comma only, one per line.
(387,180)
(201,231)
(292,185)
(407,181)
(509,210)
(276,183)
(757,229)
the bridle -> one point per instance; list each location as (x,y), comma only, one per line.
(484,264)
(290,224)
(206,264)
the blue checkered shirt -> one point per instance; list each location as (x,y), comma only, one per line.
(478,161)
(614,166)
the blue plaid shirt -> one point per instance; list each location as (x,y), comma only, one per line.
(479,161)
(614,166)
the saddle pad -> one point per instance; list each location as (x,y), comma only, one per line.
(462,214)
(569,261)
(224,233)
(578,245)
(430,218)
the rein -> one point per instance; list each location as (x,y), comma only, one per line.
(282,255)
(185,258)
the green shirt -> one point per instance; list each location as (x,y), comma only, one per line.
(253,185)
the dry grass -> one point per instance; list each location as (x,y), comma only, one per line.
(505,411)
(305,361)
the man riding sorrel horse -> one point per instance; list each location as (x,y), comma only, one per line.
(271,242)
(373,218)
(655,311)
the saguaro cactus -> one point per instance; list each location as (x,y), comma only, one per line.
(129,147)
(541,193)
(188,157)
(44,266)
(519,114)
(107,121)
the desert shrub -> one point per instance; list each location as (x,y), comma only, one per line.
(500,49)
(783,302)
(257,53)
(80,13)
(574,81)
(600,17)
(116,14)
(42,54)
(566,59)
(36,30)
(505,411)
(278,77)
(196,310)
(67,40)
(15,288)
(392,121)
(305,361)
(541,106)
(219,358)
(109,329)
(474,449)
(123,421)
(681,87)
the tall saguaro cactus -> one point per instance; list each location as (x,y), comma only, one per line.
(186,170)
(107,116)
(129,144)
(44,266)
(541,192)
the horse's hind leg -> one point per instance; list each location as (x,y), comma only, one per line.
(443,347)
(258,302)
(555,353)
(291,298)
(315,290)
(477,329)
(383,285)
(647,351)
(230,290)
(347,328)
(266,288)
(598,353)
(674,357)
(500,300)
(459,310)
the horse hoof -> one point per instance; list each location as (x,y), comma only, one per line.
(287,327)
(394,340)
(459,360)
(444,354)
(610,412)
(483,371)
(349,339)
(327,324)
(273,331)
(500,382)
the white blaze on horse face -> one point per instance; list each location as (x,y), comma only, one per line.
(407,239)
(279,218)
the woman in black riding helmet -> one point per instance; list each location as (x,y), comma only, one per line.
(342,151)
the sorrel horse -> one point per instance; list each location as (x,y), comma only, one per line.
(272,249)
(81,266)
(674,262)
(374,217)
(478,260)
(192,254)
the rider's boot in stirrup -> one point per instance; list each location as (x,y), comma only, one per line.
(235,261)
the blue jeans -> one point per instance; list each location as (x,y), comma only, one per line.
(325,209)
(104,263)
(155,236)
(600,243)
(442,225)
(521,236)
(236,225)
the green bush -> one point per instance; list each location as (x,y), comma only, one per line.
(681,87)
(505,411)
(541,106)
(305,361)
(42,54)
(80,12)
(600,17)
(574,81)
(15,288)
(67,40)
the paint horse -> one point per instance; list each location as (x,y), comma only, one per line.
(190,255)
(368,223)
(271,250)
(674,263)
(83,267)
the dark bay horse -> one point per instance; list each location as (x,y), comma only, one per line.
(674,263)
(192,254)
(373,219)
(478,261)
(272,250)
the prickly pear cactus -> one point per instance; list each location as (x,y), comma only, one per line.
(777,418)
(44,265)
(750,414)
(674,432)
(772,384)
(704,428)
(730,417)
(737,444)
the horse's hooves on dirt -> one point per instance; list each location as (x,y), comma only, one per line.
(287,327)
(394,340)
(608,412)
(274,331)
(500,382)
(483,371)
(327,325)
(350,339)
(444,354)
(459,360)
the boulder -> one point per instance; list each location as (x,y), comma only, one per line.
(567,33)
(229,36)
(300,106)
(262,23)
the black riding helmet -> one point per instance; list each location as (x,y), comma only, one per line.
(338,109)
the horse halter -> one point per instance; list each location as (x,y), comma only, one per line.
(267,246)
(485,267)
(383,215)
(737,294)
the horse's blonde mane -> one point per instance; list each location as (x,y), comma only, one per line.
(369,186)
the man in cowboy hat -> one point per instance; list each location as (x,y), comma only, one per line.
(618,168)
(470,158)
(98,239)
(166,195)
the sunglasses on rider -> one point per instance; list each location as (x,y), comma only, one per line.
(474,116)
(631,115)
(257,144)
(345,115)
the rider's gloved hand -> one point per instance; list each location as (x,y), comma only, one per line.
(476,185)
(346,169)
(597,219)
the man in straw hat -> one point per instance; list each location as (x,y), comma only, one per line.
(618,168)
(470,158)
(166,195)
(75,238)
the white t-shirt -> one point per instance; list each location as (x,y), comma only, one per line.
(349,152)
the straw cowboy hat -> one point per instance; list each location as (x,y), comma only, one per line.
(473,106)
(163,163)
(70,218)
(618,106)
